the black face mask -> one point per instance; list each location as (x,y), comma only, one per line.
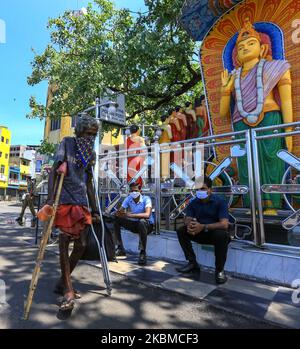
(85,147)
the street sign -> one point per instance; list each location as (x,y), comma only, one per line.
(119,116)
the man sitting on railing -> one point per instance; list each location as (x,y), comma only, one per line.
(206,222)
(138,220)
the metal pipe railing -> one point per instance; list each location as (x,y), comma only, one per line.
(275,127)
(249,138)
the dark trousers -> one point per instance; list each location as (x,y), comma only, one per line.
(141,227)
(219,238)
(28,202)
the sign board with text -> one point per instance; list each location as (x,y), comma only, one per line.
(119,116)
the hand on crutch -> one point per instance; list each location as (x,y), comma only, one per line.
(62,171)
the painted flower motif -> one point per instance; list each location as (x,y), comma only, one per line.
(197,16)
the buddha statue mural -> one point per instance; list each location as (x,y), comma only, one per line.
(260,89)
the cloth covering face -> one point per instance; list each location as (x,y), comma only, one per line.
(84,153)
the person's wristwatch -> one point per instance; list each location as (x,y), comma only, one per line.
(205,228)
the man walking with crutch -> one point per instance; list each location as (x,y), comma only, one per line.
(73,216)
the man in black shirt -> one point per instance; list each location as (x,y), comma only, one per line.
(206,222)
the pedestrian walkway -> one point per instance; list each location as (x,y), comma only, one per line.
(264,301)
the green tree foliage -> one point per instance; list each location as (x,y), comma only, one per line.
(146,56)
(47,148)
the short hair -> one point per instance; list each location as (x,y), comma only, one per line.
(198,102)
(163,118)
(134,184)
(133,129)
(170,111)
(84,122)
(207,181)
(177,109)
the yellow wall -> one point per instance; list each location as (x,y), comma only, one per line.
(57,135)
(66,129)
(5,148)
(66,122)
(24,170)
(109,139)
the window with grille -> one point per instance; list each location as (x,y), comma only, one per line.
(55,124)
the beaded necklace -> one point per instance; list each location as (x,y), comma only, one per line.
(84,152)
(252,116)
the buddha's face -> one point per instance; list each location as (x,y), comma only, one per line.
(248,50)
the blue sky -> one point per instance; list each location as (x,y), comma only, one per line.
(26,22)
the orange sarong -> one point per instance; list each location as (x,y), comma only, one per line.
(72,219)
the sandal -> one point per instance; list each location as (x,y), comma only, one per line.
(60,290)
(67,304)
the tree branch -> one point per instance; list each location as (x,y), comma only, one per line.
(168,98)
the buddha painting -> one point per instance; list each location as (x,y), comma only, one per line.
(258,93)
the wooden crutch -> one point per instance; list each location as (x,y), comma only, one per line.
(62,171)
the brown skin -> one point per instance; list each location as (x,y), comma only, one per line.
(195,228)
(68,263)
(124,214)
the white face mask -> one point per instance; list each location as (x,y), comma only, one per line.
(201,194)
(135,194)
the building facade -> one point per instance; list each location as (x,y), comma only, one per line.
(5,141)
(13,182)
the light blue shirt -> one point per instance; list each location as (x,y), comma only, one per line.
(139,207)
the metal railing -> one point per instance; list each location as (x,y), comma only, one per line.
(116,184)
(256,137)
(166,196)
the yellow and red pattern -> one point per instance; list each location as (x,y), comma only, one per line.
(284,13)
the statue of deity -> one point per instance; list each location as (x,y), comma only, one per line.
(182,122)
(262,94)
(202,116)
(135,163)
(192,128)
(165,138)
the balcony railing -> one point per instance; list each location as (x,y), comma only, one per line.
(13,181)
